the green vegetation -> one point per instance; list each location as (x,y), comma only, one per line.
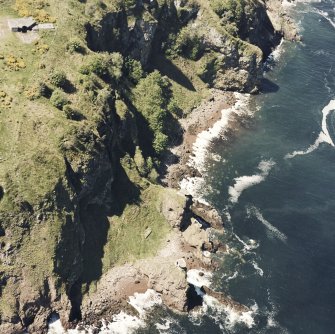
(152,96)
(35,8)
(134,70)
(232,9)
(75,45)
(58,99)
(58,79)
(209,65)
(126,237)
(100,152)
(72,114)
(104,65)
(187,43)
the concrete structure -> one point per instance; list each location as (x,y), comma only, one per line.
(44,26)
(22,25)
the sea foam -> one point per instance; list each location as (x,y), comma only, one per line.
(244,182)
(274,56)
(197,186)
(142,302)
(247,246)
(274,232)
(323,137)
(199,278)
(228,315)
(258,269)
(121,323)
(326,16)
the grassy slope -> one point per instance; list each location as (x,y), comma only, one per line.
(32,163)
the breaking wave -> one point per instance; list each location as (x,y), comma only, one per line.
(225,315)
(274,56)
(244,182)
(323,137)
(258,269)
(121,323)
(197,186)
(247,246)
(199,278)
(326,16)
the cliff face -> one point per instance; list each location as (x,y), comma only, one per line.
(234,62)
(79,156)
(229,51)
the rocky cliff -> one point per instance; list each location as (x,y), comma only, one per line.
(86,115)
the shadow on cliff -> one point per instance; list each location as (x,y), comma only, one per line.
(166,67)
(94,220)
(268,86)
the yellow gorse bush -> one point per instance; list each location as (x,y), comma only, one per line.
(35,8)
(15,63)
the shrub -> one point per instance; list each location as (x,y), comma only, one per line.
(104,65)
(151,99)
(58,99)
(34,8)
(127,4)
(58,79)
(160,142)
(140,162)
(231,12)
(74,45)
(134,70)
(41,47)
(44,90)
(121,108)
(15,63)
(72,114)
(189,43)
(36,91)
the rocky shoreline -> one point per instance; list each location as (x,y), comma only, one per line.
(188,246)
(195,225)
(83,179)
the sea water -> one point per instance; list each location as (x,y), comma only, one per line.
(274,182)
(277,187)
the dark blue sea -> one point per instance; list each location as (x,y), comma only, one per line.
(275,185)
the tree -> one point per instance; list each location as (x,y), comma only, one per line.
(107,66)
(152,97)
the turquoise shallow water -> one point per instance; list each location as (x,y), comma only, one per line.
(280,205)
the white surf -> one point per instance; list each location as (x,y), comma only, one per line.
(121,323)
(323,137)
(274,232)
(244,182)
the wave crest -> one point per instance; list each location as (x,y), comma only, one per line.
(244,182)
(323,137)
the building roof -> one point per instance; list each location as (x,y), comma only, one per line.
(21,22)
